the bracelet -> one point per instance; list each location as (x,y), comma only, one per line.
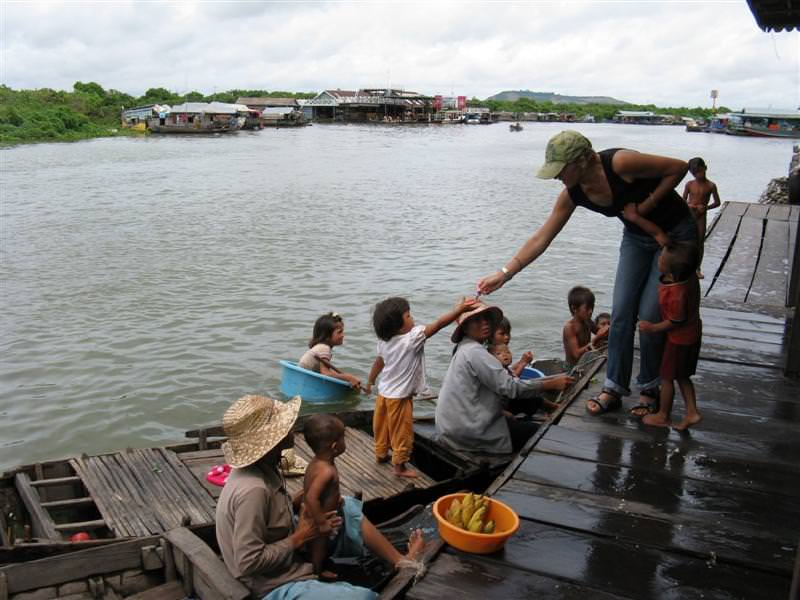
(507,275)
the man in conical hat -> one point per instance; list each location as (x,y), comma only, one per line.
(256,531)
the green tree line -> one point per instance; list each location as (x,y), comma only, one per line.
(89,110)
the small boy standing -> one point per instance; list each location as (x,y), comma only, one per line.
(325,436)
(679,300)
(578,330)
(400,362)
(697,194)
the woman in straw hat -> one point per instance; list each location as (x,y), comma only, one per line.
(256,531)
(469,410)
(605,182)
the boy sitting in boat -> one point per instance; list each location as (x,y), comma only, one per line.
(400,363)
(502,336)
(697,194)
(325,436)
(328,332)
(578,339)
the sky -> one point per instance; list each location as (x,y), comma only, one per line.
(665,53)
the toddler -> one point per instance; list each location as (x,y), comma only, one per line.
(679,300)
(400,362)
(502,336)
(602,322)
(325,436)
(328,332)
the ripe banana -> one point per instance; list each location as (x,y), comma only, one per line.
(476,522)
(489,527)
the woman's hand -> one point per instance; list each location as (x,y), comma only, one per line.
(308,530)
(559,382)
(491,283)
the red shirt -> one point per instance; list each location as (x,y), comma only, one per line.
(680,303)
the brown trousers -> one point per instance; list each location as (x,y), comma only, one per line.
(393,426)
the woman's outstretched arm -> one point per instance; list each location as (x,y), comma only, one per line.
(535,246)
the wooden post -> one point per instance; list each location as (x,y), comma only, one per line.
(169,561)
(792,367)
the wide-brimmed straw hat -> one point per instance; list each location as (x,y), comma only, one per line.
(494,313)
(254,426)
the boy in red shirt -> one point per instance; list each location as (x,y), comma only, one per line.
(679,299)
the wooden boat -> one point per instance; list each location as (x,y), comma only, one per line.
(140,493)
(181,563)
(765,124)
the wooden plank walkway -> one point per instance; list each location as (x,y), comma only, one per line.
(144,492)
(610,508)
(358,472)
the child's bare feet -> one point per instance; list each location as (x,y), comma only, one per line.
(688,421)
(403,470)
(656,420)
(328,576)
(416,544)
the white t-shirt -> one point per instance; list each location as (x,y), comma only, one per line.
(403,356)
(310,360)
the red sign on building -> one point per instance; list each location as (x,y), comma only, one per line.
(462,103)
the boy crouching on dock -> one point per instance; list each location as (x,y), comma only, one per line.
(400,362)
(679,300)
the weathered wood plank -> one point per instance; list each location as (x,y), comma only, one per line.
(471,578)
(779,212)
(757,211)
(629,570)
(41,521)
(643,524)
(117,525)
(734,280)
(211,578)
(69,503)
(166,591)
(56,570)
(772,273)
(666,491)
(671,455)
(719,239)
(56,481)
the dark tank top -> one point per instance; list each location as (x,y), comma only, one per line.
(670,211)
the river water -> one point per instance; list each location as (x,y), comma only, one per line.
(149,282)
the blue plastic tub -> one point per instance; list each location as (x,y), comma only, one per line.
(530,373)
(310,385)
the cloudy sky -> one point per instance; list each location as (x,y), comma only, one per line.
(667,53)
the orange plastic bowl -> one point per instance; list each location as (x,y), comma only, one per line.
(506,524)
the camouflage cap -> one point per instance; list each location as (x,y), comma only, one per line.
(562,148)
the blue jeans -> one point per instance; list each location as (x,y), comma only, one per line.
(636,297)
(348,542)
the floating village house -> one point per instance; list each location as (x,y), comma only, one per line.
(370,105)
(199,117)
(642,117)
(275,112)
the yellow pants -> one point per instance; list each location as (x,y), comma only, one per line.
(393,426)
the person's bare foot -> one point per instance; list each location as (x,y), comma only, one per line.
(416,544)
(656,420)
(688,421)
(402,470)
(328,576)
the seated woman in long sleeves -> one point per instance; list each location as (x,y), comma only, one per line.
(469,410)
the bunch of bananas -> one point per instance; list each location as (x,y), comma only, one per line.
(470,514)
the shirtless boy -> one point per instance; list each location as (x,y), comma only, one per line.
(325,436)
(578,330)
(697,194)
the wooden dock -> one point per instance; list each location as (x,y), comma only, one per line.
(611,509)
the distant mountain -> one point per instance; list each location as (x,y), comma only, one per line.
(511,96)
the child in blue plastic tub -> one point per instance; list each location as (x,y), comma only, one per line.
(328,332)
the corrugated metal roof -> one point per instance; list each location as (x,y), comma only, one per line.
(267,101)
(776,15)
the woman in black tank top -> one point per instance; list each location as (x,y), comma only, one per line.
(606,182)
